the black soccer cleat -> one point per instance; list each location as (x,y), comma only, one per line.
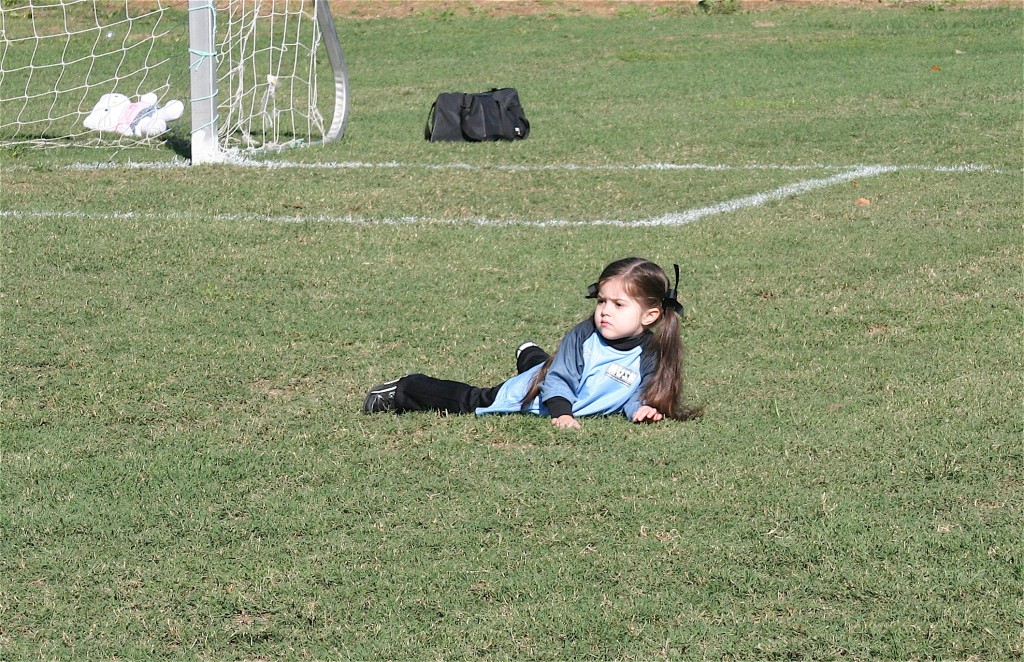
(381,398)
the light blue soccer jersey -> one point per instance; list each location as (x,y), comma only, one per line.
(588,372)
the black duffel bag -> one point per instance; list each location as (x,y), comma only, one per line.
(494,115)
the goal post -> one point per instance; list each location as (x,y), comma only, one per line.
(203,81)
(252,75)
(325,19)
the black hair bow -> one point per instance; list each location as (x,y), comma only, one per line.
(670,300)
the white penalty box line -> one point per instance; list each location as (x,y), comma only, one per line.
(847,174)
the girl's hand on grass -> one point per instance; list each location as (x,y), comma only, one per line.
(566,422)
(647,415)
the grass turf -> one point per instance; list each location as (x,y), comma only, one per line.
(186,474)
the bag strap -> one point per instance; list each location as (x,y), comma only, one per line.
(429,128)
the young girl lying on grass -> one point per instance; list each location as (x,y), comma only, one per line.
(626,359)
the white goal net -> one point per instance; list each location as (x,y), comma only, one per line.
(215,75)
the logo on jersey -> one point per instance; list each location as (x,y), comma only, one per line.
(622,374)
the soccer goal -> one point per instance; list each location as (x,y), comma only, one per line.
(219,77)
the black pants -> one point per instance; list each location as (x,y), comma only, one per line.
(424,393)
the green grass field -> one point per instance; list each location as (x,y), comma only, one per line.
(186,473)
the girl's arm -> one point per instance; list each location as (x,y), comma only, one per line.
(558,390)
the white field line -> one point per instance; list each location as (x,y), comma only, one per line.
(501,167)
(673,219)
(759,199)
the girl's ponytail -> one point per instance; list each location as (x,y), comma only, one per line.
(664,391)
(537,380)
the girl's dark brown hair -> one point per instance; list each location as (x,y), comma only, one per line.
(648,284)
